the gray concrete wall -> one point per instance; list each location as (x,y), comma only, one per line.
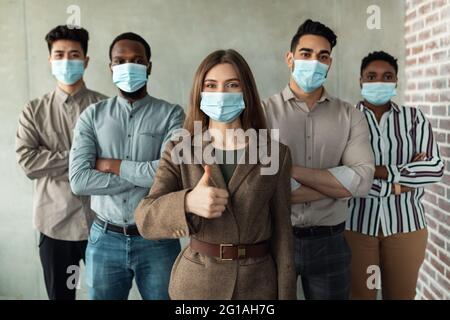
(181,34)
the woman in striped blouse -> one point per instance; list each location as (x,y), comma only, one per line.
(387,229)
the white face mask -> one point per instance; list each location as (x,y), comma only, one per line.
(130,77)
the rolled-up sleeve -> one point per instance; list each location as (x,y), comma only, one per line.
(358,164)
(84,179)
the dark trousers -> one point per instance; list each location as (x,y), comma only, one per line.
(56,258)
(323,262)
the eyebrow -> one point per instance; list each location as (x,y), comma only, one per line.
(212,80)
(62,51)
(119,55)
(311,50)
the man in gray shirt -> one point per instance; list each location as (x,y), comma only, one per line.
(329,142)
(43,141)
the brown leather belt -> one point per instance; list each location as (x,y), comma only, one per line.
(230,251)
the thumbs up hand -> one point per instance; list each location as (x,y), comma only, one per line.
(206,201)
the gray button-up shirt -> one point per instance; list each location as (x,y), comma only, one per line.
(334,135)
(132,132)
(43,140)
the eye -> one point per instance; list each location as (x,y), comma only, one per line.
(305,54)
(233,85)
(388,77)
(210,85)
(371,78)
(324,58)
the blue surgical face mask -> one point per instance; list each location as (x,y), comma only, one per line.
(309,74)
(222,106)
(378,93)
(129,77)
(68,71)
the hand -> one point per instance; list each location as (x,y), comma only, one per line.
(206,201)
(403,189)
(419,157)
(108,166)
(381,173)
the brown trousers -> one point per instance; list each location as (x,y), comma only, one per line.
(399,258)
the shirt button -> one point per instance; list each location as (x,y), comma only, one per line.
(124,200)
(309,158)
(127,157)
(125,220)
(129,136)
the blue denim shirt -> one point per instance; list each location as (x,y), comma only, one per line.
(117,129)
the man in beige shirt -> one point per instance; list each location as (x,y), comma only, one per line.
(43,141)
(333,161)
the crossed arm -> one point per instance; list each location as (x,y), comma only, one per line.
(97,176)
(353,178)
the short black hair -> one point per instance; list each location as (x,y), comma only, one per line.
(134,37)
(379,55)
(315,28)
(63,32)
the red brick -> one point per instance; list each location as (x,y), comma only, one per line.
(439,56)
(431,45)
(423,10)
(417,49)
(439,84)
(411,16)
(431,71)
(437,188)
(445,97)
(432,19)
(439,111)
(432,97)
(437,4)
(424,59)
(445,70)
(439,29)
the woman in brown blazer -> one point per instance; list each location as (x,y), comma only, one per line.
(237,218)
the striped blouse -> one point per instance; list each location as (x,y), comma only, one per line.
(402,133)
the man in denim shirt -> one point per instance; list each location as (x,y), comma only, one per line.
(115,153)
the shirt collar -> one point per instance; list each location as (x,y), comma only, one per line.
(394,106)
(136,104)
(63,97)
(289,95)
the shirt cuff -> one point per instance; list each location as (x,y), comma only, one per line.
(386,188)
(295,184)
(347,177)
(393,173)
(127,169)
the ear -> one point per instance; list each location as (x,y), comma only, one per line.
(149,68)
(86,62)
(110,67)
(360,82)
(289,59)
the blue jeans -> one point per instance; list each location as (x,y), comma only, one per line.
(114,259)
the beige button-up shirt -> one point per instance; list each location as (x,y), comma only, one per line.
(43,141)
(334,135)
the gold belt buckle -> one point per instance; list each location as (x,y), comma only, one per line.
(241,252)
(223,245)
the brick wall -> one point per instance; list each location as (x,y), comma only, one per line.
(427,37)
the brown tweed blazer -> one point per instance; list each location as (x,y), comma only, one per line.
(258,210)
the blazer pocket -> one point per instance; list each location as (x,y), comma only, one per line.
(193,256)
